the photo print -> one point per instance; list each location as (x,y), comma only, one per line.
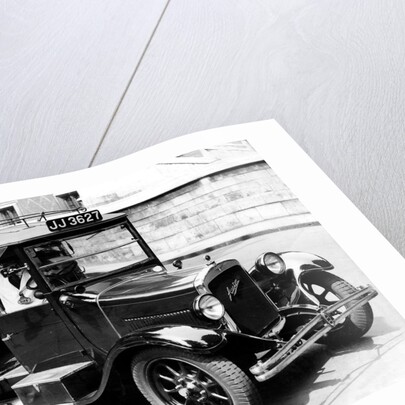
(198,279)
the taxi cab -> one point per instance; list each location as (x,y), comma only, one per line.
(84,298)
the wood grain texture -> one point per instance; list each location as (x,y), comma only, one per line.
(63,68)
(330,72)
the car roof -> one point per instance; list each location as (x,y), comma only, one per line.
(20,233)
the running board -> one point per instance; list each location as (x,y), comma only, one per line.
(61,385)
(9,378)
(14,375)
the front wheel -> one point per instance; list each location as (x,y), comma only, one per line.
(327,289)
(168,376)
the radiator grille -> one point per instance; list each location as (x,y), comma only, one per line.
(184,317)
(244,301)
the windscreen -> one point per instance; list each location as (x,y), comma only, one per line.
(73,259)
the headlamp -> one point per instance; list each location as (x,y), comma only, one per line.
(270,262)
(209,307)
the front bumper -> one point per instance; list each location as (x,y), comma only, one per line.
(263,370)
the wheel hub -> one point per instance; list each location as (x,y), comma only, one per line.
(178,382)
(190,388)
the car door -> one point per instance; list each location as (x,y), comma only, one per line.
(32,327)
(36,335)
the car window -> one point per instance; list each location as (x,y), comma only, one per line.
(86,256)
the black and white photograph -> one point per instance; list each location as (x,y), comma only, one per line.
(201,278)
(202,202)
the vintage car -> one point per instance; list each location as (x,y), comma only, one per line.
(84,300)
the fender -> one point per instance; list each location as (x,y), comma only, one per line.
(301,263)
(199,340)
(184,337)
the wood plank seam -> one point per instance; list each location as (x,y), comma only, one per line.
(129,84)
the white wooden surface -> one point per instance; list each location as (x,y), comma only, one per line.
(82,83)
(63,68)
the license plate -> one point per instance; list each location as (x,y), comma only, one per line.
(73,221)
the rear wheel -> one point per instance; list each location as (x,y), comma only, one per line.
(328,289)
(169,376)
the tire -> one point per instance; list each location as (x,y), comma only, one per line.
(355,325)
(169,376)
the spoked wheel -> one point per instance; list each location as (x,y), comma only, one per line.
(328,289)
(168,376)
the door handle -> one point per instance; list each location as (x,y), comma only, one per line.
(7,337)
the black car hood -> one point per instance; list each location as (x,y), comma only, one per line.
(131,300)
(140,286)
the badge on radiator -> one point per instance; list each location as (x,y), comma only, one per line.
(233,290)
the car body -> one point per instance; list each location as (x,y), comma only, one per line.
(97,302)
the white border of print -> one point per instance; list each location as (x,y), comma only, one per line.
(346,224)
